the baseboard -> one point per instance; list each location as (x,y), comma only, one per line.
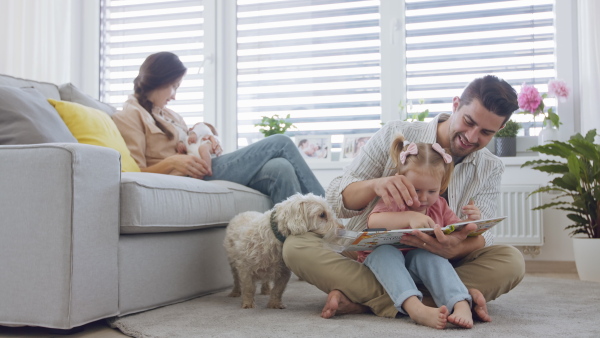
(550,266)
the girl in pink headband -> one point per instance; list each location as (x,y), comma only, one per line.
(429,168)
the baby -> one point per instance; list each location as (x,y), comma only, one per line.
(198,143)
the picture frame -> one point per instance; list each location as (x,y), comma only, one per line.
(352,145)
(314,148)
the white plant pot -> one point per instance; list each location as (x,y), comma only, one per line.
(587,251)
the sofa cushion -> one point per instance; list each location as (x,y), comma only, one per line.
(165,203)
(68,92)
(27,118)
(92,126)
(48,90)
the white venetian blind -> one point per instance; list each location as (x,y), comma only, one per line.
(317,60)
(133,29)
(449,43)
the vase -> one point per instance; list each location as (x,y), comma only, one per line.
(506,146)
(548,133)
(587,251)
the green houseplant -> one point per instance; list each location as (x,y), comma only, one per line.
(506,139)
(274,125)
(577,180)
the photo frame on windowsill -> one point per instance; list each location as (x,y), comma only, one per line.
(314,148)
(352,145)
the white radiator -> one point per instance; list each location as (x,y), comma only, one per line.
(523,226)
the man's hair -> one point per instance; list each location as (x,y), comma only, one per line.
(494,94)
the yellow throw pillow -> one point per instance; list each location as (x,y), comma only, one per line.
(92,126)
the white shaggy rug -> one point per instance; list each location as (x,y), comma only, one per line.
(538,307)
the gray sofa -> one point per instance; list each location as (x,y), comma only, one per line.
(81,241)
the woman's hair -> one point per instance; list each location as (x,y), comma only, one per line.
(158,71)
(426,160)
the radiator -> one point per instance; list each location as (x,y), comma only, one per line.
(523,226)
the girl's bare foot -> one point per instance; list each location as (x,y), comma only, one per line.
(461,316)
(338,304)
(479,306)
(425,315)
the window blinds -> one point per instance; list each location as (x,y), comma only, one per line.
(317,60)
(133,29)
(449,43)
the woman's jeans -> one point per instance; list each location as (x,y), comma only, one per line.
(273,166)
(398,274)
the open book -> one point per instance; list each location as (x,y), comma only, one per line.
(369,239)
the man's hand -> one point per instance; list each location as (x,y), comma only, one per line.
(396,188)
(447,246)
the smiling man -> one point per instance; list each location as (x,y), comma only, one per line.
(487,270)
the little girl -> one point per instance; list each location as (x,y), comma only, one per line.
(429,168)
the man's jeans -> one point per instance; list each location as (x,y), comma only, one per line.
(273,166)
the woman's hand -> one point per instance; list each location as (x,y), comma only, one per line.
(190,165)
(216,146)
(471,211)
(396,188)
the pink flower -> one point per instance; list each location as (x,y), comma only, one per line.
(558,89)
(529,98)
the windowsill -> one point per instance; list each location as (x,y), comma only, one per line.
(515,161)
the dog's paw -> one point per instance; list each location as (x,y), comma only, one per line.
(234,294)
(248,305)
(275,304)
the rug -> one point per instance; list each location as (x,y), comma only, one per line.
(539,306)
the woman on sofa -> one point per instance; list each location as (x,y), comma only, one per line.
(272,166)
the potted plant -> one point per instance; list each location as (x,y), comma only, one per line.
(506,139)
(578,180)
(274,125)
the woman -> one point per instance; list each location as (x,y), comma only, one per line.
(272,166)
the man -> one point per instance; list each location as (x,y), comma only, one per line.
(487,270)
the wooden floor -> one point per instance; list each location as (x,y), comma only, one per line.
(99,329)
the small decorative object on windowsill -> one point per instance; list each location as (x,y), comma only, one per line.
(576,166)
(531,102)
(505,140)
(274,125)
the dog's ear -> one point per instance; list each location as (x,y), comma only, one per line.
(292,217)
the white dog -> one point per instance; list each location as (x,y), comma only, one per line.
(254,242)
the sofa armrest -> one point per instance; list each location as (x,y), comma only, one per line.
(59,231)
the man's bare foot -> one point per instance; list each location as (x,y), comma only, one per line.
(479,306)
(338,304)
(461,316)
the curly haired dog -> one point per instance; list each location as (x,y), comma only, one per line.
(254,242)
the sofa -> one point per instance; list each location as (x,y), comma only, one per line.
(80,240)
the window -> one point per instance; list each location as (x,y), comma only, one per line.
(449,43)
(337,67)
(133,29)
(318,61)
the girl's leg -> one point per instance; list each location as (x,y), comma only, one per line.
(446,288)
(286,173)
(387,264)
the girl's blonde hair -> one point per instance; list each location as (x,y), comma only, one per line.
(426,160)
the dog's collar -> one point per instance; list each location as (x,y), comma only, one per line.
(276,232)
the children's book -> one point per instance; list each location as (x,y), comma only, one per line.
(369,239)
